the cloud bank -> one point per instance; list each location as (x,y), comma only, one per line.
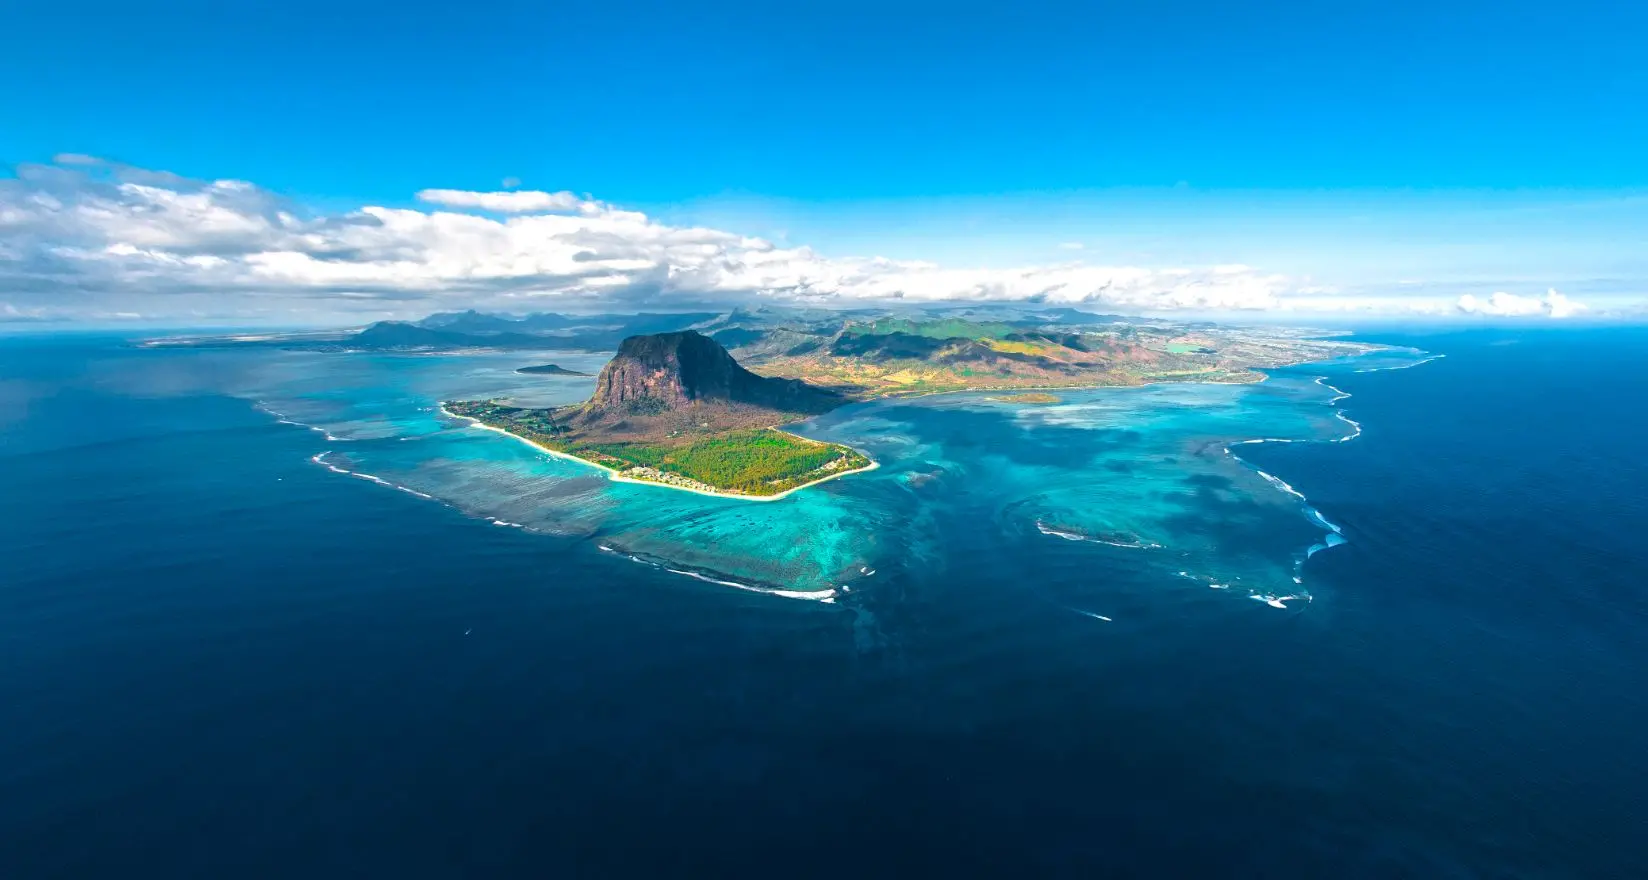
(1509,305)
(516,202)
(87,238)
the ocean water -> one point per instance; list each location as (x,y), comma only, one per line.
(269,613)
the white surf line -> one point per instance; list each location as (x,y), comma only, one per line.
(1339,393)
(1282,484)
(1336,535)
(284,420)
(1049,530)
(1419,363)
(1090,539)
(1278,601)
(825,596)
(320,459)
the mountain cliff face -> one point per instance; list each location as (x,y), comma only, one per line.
(667,371)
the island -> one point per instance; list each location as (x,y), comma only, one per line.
(676,410)
(698,400)
(549,370)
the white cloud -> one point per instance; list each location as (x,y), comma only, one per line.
(1510,305)
(82,240)
(1071,245)
(76,159)
(514,202)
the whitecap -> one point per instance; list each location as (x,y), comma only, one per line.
(1282,484)
(814,595)
(1418,363)
(1134,544)
(1278,601)
(1049,530)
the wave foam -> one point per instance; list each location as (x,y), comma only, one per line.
(1419,363)
(1335,533)
(1131,543)
(320,459)
(825,596)
(1280,483)
(1275,601)
(283,419)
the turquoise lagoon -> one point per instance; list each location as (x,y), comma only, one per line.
(1148,482)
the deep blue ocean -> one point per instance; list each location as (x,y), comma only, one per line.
(224,655)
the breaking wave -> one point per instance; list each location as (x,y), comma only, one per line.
(826,596)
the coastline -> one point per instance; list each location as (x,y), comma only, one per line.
(1334,534)
(619,477)
(1255,376)
(1259,376)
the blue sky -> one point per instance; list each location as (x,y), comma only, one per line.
(1347,145)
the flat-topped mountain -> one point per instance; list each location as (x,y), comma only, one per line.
(668,371)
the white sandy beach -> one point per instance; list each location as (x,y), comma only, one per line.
(615,475)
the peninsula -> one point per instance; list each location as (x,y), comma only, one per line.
(675,409)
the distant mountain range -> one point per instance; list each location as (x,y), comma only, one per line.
(734,329)
(545,330)
(866,352)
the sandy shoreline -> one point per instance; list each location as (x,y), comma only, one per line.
(618,477)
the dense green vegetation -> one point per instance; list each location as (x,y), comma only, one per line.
(758,461)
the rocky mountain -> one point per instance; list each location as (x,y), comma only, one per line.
(658,373)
